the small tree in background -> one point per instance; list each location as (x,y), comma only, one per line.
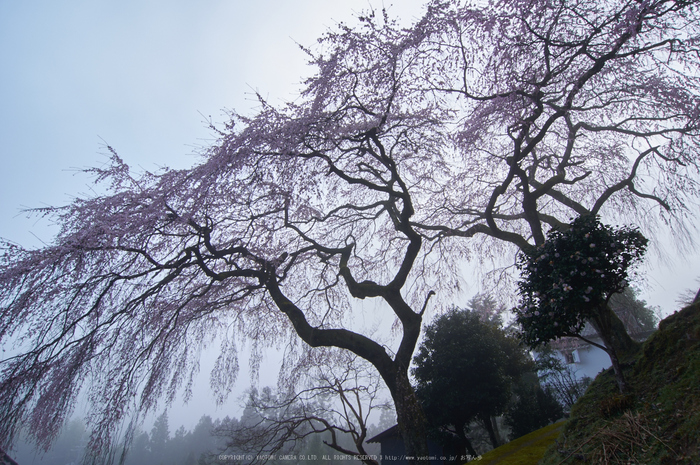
(570,279)
(560,378)
(160,437)
(636,314)
(336,404)
(532,408)
(465,371)
(689,296)
(488,309)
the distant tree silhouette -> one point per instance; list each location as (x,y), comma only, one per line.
(533,408)
(336,405)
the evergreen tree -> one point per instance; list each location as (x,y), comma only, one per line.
(160,436)
(532,408)
(465,371)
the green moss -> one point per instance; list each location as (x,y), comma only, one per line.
(658,421)
(526,450)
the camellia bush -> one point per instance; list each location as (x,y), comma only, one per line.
(568,280)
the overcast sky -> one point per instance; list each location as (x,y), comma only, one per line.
(137,75)
(143,76)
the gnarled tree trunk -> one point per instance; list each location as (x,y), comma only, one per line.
(618,343)
(486,420)
(413,424)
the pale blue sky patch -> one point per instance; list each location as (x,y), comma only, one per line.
(138,75)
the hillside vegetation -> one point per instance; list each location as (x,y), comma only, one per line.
(658,421)
(526,450)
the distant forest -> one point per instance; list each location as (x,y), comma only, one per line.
(201,446)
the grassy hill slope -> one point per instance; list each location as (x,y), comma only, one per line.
(658,422)
(526,450)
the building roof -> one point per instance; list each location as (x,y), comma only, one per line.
(388,433)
